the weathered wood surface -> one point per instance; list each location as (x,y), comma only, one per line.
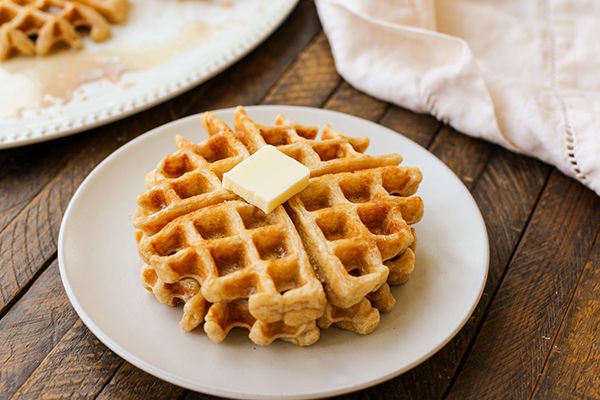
(512,347)
(534,334)
(572,368)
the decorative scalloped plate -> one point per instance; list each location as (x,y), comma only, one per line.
(164,48)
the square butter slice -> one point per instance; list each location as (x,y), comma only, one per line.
(267,178)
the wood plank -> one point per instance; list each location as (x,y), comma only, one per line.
(573,369)
(348,100)
(421,128)
(32,328)
(467,157)
(29,240)
(510,349)
(132,383)
(23,173)
(309,80)
(78,367)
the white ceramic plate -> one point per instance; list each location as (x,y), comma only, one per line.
(100,268)
(164,48)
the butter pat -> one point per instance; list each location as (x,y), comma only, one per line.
(267,178)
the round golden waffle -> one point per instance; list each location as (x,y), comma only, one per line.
(234,266)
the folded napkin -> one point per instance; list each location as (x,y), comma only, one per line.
(522,74)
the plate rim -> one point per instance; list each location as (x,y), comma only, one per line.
(65,126)
(216,391)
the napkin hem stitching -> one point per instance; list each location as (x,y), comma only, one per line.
(569,136)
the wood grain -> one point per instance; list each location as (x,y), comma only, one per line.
(348,100)
(30,239)
(420,128)
(572,370)
(24,172)
(309,80)
(467,157)
(78,367)
(509,352)
(132,383)
(32,328)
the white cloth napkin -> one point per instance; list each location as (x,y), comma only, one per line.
(521,73)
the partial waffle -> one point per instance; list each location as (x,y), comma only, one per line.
(332,154)
(190,178)
(195,235)
(352,223)
(36,27)
(353,217)
(235,251)
(184,291)
(222,317)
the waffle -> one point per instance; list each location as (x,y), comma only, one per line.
(334,153)
(352,226)
(222,317)
(36,27)
(234,266)
(361,318)
(353,217)
(186,291)
(190,178)
(192,233)
(235,251)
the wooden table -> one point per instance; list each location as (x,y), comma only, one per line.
(535,332)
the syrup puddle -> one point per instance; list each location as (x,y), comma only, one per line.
(31,83)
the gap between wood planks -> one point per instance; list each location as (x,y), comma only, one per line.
(25,289)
